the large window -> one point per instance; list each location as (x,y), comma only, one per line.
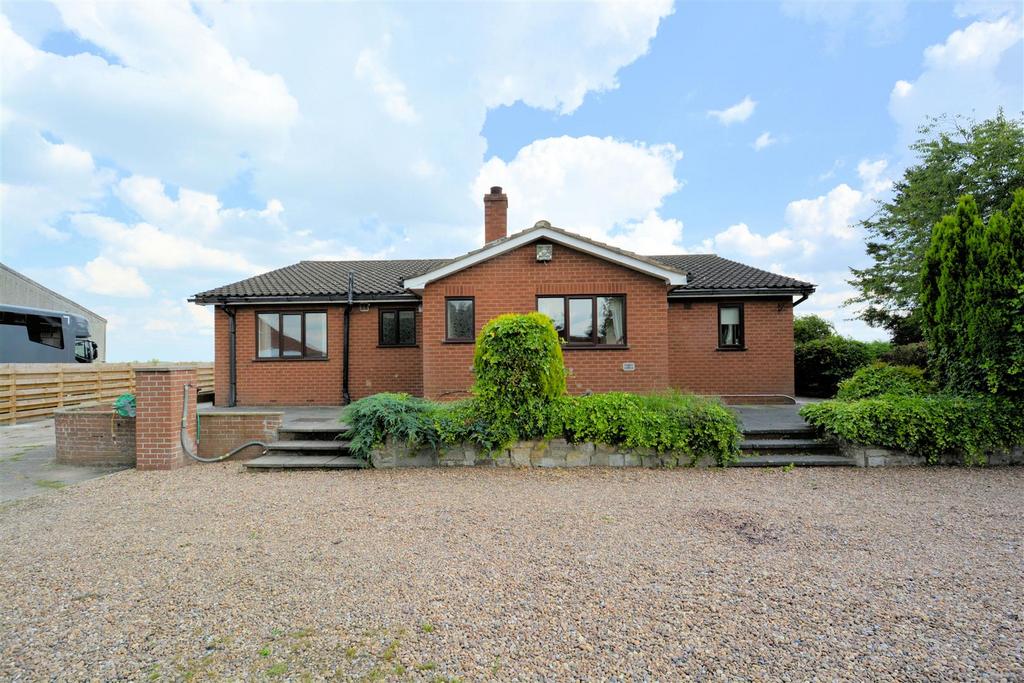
(730,326)
(595,321)
(41,329)
(460,322)
(397,327)
(291,335)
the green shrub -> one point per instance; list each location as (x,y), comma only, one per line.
(883,379)
(400,416)
(810,327)
(822,364)
(671,422)
(877,349)
(928,426)
(915,354)
(519,371)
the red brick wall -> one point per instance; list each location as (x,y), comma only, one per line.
(372,368)
(94,435)
(158,396)
(510,283)
(766,367)
(221,432)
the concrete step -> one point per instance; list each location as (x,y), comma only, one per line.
(310,445)
(314,427)
(797,459)
(787,446)
(782,433)
(282,461)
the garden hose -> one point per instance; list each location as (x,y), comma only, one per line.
(184,434)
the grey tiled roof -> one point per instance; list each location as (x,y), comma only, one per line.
(384,278)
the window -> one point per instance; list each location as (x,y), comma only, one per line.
(397,327)
(460,323)
(291,335)
(597,321)
(41,329)
(730,326)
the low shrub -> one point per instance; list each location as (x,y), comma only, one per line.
(882,379)
(928,426)
(821,364)
(400,416)
(915,354)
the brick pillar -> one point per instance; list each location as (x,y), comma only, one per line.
(158,397)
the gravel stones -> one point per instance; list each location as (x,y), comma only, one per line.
(212,572)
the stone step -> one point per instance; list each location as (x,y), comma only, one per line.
(769,434)
(787,445)
(797,459)
(283,461)
(305,445)
(318,427)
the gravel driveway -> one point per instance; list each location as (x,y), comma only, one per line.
(212,572)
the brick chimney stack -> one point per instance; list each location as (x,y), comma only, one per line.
(495,215)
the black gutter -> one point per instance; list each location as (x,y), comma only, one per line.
(340,298)
(232,373)
(345,396)
(752,291)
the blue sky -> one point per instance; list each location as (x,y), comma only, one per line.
(151,150)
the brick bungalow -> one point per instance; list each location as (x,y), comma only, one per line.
(324,332)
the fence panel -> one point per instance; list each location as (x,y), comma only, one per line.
(35,390)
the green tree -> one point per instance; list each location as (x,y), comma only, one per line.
(810,327)
(955,157)
(972,299)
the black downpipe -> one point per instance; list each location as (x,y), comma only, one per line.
(232,373)
(344,355)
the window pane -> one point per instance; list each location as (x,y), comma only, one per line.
(460,319)
(581,319)
(291,335)
(268,342)
(388,328)
(611,320)
(554,308)
(729,316)
(46,330)
(316,335)
(407,327)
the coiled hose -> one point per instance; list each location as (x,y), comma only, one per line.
(184,435)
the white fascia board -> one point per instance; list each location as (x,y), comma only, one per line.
(671,277)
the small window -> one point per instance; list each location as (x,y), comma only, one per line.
(730,326)
(460,322)
(397,327)
(291,335)
(583,321)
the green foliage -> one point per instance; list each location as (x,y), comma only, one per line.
(955,157)
(928,426)
(519,370)
(971,302)
(670,422)
(810,327)
(877,349)
(915,354)
(882,379)
(400,416)
(822,364)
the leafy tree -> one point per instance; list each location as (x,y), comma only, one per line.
(810,327)
(956,157)
(972,299)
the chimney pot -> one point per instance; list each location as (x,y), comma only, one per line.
(495,215)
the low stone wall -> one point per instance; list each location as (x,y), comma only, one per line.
(553,453)
(219,432)
(874,456)
(94,435)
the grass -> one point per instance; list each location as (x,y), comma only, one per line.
(50,483)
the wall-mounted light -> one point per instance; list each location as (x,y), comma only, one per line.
(364,308)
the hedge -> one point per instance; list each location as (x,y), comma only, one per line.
(821,364)
(882,379)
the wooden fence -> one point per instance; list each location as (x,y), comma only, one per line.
(35,390)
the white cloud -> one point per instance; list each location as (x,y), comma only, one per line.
(764,141)
(737,113)
(963,75)
(103,276)
(179,319)
(738,241)
(390,90)
(601,187)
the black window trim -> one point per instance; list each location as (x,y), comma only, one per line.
(280,327)
(459,340)
(741,344)
(381,310)
(591,345)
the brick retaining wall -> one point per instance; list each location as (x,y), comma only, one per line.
(94,435)
(220,432)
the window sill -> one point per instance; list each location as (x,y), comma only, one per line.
(288,360)
(728,349)
(459,341)
(593,347)
(398,346)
